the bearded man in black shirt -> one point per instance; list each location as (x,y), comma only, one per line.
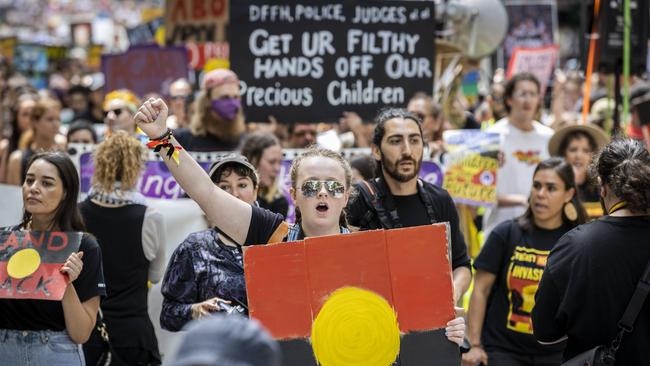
(397,198)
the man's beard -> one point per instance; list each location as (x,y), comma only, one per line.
(393,169)
(223,129)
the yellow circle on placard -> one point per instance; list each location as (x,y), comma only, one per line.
(355,327)
(23,263)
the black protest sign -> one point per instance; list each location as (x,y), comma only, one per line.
(30,262)
(310,61)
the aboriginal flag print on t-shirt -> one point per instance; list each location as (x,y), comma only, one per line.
(524,273)
(30,263)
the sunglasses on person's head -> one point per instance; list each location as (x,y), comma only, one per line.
(310,188)
(117,112)
(179,97)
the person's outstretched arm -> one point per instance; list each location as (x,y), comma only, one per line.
(229,214)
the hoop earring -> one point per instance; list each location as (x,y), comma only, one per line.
(570,211)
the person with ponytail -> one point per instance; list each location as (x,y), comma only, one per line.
(320,189)
(594,269)
(509,268)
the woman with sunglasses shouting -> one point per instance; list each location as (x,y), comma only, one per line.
(320,189)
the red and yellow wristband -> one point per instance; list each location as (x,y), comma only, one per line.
(164,142)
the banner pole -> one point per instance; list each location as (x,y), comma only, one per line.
(626,62)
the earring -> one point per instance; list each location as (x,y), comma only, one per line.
(570,211)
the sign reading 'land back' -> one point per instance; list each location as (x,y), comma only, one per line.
(309,61)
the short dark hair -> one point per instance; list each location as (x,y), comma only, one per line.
(240,169)
(574,135)
(565,172)
(512,83)
(79,125)
(624,166)
(384,116)
(67,216)
(254,145)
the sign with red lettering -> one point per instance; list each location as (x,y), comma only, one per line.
(145,69)
(30,262)
(195,20)
(200,53)
(537,61)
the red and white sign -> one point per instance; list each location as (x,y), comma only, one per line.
(537,61)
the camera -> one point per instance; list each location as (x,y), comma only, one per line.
(231,309)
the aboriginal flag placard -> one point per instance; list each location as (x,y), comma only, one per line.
(379,297)
(30,262)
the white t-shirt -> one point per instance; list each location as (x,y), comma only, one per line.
(522,151)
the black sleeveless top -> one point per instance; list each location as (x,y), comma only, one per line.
(119,234)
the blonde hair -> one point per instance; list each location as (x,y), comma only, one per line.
(316,151)
(119,158)
(128,97)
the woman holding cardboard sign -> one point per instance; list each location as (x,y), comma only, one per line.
(320,189)
(42,332)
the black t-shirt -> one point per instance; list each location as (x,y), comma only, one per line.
(589,279)
(263,224)
(443,208)
(411,210)
(48,315)
(203,143)
(279,205)
(517,257)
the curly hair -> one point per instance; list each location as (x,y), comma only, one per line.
(624,166)
(120,158)
(316,151)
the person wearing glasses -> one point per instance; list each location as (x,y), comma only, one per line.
(524,144)
(320,188)
(119,107)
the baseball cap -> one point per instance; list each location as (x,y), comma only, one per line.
(228,159)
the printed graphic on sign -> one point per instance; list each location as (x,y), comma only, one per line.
(524,273)
(471,166)
(30,262)
(306,61)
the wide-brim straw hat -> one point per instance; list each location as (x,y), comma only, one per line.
(597,134)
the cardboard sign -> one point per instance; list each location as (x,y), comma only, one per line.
(306,61)
(200,53)
(144,69)
(195,21)
(537,61)
(471,166)
(395,284)
(30,263)
(532,24)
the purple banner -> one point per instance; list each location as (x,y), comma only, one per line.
(145,69)
(157,182)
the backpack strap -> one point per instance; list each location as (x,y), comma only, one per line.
(369,192)
(428,201)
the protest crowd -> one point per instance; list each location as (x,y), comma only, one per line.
(316,124)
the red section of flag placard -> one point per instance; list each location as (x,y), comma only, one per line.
(421,277)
